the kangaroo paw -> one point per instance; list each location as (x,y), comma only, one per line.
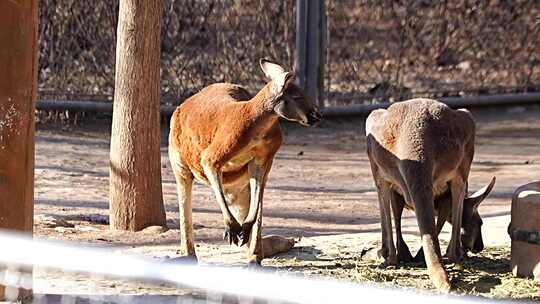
(232,233)
(246,232)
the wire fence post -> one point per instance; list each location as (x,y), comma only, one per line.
(311,47)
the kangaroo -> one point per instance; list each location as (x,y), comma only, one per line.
(226,138)
(419,150)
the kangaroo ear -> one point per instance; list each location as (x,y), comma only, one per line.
(476,198)
(271,69)
(277,75)
(280,83)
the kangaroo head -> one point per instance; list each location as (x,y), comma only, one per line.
(289,101)
(471,233)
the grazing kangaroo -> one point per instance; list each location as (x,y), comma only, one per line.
(226,138)
(419,150)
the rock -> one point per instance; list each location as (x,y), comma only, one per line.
(372,254)
(51,221)
(155,229)
(274,244)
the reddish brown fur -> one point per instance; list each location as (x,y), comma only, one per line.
(194,131)
(224,128)
(227,139)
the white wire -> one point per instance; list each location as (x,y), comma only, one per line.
(18,249)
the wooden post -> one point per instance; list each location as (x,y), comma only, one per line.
(136,198)
(311,47)
(18,87)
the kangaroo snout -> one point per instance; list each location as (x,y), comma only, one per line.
(314,117)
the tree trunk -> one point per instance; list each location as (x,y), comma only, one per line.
(135,167)
(18,86)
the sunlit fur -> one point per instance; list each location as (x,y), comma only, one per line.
(227,138)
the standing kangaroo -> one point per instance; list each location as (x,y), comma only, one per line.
(419,151)
(226,138)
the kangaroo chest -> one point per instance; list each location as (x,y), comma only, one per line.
(234,168)
(244,155)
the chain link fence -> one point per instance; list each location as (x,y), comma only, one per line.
(380,50)
(377,50)
(202,42)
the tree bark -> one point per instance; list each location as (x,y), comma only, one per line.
(136,199)
(18,87)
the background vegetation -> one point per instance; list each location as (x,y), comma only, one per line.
(376,49)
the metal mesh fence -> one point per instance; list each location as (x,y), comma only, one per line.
(377,50)
(202,42)
(399,49)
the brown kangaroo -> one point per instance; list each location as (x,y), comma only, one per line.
(419,150)
(226,138)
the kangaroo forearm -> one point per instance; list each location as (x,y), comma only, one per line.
(217,186)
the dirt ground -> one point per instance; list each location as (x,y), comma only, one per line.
(320,191)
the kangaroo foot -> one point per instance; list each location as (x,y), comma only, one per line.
(246,232)
(455,254)
(376,255)
(440,280)
(274,244)
(233,232)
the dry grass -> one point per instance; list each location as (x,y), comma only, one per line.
(486,274)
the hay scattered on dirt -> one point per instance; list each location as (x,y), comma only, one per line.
(487,274)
